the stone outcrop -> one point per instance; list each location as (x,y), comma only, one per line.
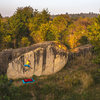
(46,58)
(78,51)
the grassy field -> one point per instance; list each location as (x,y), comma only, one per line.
(78,80)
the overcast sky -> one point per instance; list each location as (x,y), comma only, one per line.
(8,7)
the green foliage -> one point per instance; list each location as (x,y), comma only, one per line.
(5,91)
(0,16)
(23,14)
(93,32)
(83,40)
(47,32)
(94,37)
(18,25)
(96,51)
(60,23)
(45,16)
(97,60)
(39,18)
(40,26)
(24,42)
(10,92)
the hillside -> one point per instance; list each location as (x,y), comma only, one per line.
(78,80)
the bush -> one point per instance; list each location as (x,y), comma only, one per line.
(83,40)
(10,92)
(96,51)
(5,91)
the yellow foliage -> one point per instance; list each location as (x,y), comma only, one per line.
(7,39)
(60,23)
(73,41)
(24,42)
(61,46)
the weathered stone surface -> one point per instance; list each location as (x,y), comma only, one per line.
(46,58)
(78,51)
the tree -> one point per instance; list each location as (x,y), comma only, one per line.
(37,23)
(5,38)
(39,18)
(24,42)
(24,14)
(0,16)
(94,37)
(46,33)
(83,40)
(94,32)
(18,25)
(45,16)
(60,24)
(78,29)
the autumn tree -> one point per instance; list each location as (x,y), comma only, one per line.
(38,19)
(94,37)
(46,32)
(37,23)
(77,30)
(94,32)
(28,26)
(60,24)
(24,42)
(5,38)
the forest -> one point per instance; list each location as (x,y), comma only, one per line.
(28,26)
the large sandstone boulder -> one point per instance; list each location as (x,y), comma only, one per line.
(46,58)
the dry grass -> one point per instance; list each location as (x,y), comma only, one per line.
(83,62)
(77,81)
(79,78)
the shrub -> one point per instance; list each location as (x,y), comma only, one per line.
(5,92)
(10,92)
(83,40)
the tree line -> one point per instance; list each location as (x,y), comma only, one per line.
(28,26)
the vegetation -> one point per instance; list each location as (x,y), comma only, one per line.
(28,26)
(10,92)
(79,80)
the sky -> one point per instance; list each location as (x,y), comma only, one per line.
(8,7)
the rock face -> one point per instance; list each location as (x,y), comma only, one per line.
(78,51)
(46,58)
